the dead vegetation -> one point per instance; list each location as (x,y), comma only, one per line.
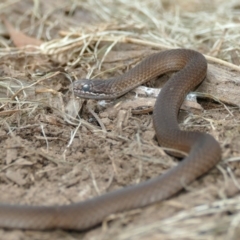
(58,150)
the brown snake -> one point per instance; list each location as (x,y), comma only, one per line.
(204,151)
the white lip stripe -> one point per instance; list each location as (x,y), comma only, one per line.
(89,93)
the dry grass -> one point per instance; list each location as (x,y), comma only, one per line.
(210,27)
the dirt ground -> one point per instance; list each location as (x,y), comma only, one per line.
(47,157)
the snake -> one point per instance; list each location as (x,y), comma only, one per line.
(203,151)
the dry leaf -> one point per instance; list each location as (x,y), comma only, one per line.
(20,39)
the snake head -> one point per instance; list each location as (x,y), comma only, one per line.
(93,89)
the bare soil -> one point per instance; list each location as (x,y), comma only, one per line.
(43,161)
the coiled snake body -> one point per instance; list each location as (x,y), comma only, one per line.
(204,151)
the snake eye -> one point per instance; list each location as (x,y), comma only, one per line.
(86,87)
